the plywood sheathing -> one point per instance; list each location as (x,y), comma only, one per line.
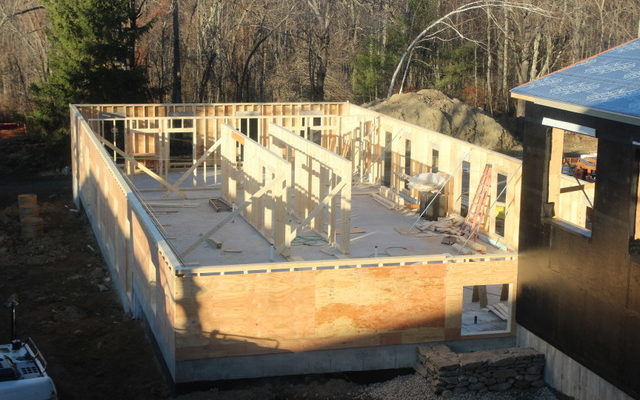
(235,315)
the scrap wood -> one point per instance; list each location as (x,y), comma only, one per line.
(472,244)
(214,243)
(462,249)
(232,250)
(448,231)
(499,309)
(355,229)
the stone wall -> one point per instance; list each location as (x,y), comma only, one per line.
(480,371)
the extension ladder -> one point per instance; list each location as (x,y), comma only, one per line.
(477,214)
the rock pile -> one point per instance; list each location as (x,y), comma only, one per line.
(480,371)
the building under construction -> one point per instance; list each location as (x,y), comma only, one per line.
(296,238)
(274,239)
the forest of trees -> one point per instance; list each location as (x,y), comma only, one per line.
(60,51)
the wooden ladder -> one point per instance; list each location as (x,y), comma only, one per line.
(477,214)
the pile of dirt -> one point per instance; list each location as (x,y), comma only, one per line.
(432,109)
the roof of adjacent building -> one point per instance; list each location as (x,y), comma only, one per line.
(608,83)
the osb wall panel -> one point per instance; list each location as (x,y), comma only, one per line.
(247,314)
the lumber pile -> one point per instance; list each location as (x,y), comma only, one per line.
(385,202)
(500,309)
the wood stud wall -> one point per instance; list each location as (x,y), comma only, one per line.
(316,174)
(267,213)
(371,139)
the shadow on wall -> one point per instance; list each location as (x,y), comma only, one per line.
(269,313)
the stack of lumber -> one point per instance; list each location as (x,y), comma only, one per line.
(385,202)
(500,309)
(449,226)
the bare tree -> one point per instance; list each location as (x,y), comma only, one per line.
(434,30)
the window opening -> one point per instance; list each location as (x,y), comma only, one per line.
(464,191)
(501,204)
(435,160)
(486,309)
(572,178)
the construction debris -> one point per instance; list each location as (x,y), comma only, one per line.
(449,240)
(462,249)
(215,244)
(219,204)
(232,250)
(471,244)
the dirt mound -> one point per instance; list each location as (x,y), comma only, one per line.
(434,110)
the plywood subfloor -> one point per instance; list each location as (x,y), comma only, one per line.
(372,225)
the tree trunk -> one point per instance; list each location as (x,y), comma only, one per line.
(176,92)
(489,61)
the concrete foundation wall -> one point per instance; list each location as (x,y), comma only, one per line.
(318,362)
(568,376)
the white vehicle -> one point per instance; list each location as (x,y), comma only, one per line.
(22,369)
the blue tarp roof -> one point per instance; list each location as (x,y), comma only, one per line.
(609,81)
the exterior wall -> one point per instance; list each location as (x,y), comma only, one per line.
(581,293)
(247,313)
(451,151)
(139,259)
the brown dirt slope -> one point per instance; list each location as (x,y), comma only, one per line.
(434,110)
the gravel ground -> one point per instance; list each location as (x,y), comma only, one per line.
(411,387)
(405,387)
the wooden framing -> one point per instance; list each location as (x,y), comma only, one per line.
(346,129)
(259,188)
(201,312)
(368,163)
(319,177)
(144,169)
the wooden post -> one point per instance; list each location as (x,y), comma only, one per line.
(555,168)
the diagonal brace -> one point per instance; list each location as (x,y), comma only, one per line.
(198,162)
(324,203)
(144,169)
(270,186)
